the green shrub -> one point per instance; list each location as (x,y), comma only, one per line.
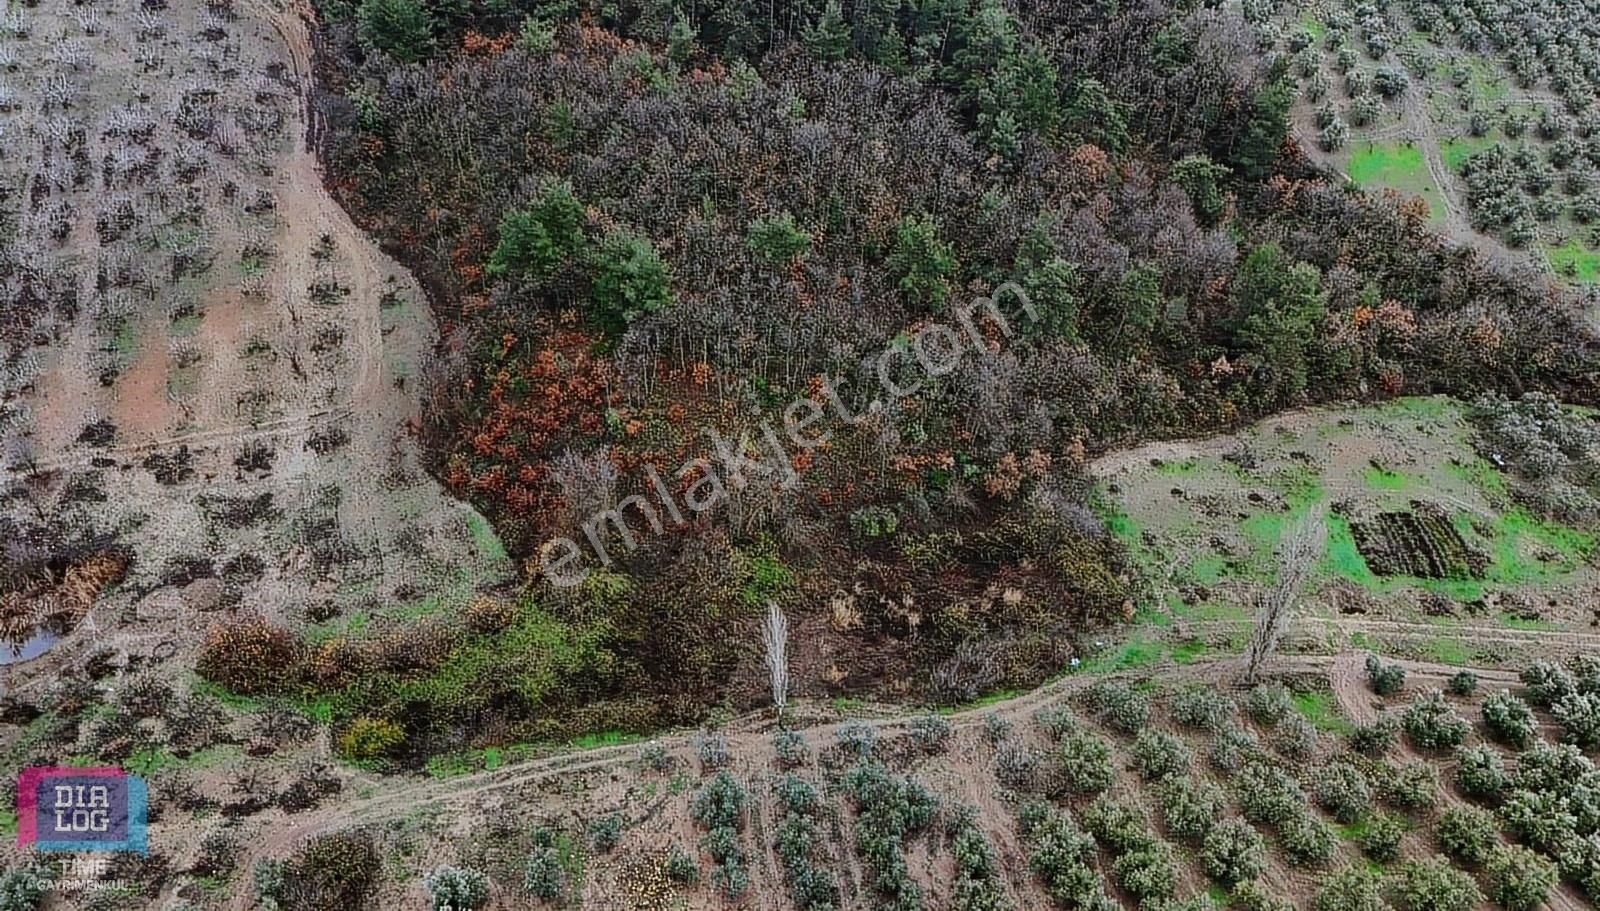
(1551,767)
(266,881)
(719,807)
(1295,738)
(1413,786)
(456,888)
(1341,789)
(1190,807)
(777,239)
(931,733)
(888,808)
(1385,679)
(921,263)
(1431,724)
(1463,683)
(1250,895)
(1063,857)
(680,866)
(403,29)
(870,523)
(1467,834)
(1380,839)
(1157,754)
(537,241)
(1434,885)
(856,739)
(1543,819)
(791,748)
(1269,704)
(1376,738)
(978,884)
(1547,682)
(1056,720)
(799,836)
(996,728)
(1233,851)
(1508,719)
(1232,747)
(719,802)
(1120,706)
(1149,872)
(366,739)
(1350,889)
(1307,840)
(630,280)
(547,871)
(1083,764)
(654,756)
(1201,707)
(1118,826)
(1518,879)
(1267,795)
(605,832)
(1579,717)
(1480,773)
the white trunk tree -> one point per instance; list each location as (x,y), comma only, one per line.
(1298,553)
(775,638)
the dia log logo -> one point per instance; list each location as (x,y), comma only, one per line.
(67,809)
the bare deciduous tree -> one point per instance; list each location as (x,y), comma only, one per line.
(775,639)
(1298,553)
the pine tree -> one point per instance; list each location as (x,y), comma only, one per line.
(829,37)
(402,29)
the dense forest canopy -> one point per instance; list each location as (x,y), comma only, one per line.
(642,222)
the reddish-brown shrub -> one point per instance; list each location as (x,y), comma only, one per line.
(250,657)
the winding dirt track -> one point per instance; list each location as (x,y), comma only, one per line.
(749,740)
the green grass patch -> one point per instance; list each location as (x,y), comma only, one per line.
(352,624)
(1396,165)
(185,326)
(1421,407)
(1353,830)
(1120,524)
(1512,621)
(1515,533)
(1487,78)
(1131,654)
(1182,468)
(224,695)
(1190,651)
(1320,708)
(603,739)
(1576,261)
(484,540)
(1455,152)
(1484,478)
(1213,610)
(125,343)
(1385,479)
(1449,651)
